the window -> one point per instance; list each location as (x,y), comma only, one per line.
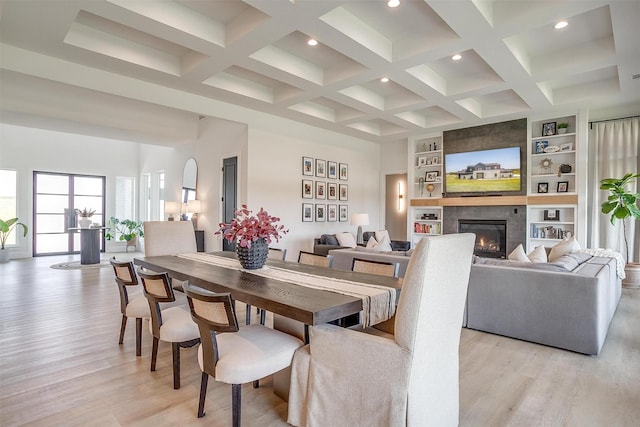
(8,202)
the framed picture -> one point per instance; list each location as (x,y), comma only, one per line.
(422,160)
(307,189)
(540,146)
(321,168)
(332,170)
(307,212)
(344,192)
(549,129)
(435,160)
(321,190)
(307,166)
(551,215)
(430,176)
(343,171)
(543,187)
(566,147)
(320,212)
(563,186)
(343,213)
(332,191)
(332,213)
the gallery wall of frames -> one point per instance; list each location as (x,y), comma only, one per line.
(325,190)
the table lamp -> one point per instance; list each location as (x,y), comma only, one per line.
(170,208)
(360,220)
(194,207)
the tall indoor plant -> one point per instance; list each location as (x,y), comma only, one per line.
(5,229)
(622,205)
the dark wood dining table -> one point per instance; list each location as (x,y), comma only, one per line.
(304,304)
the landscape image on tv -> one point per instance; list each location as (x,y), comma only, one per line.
(486,171)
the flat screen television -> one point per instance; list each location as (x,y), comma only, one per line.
(488,171)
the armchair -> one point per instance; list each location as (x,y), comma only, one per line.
(348,377)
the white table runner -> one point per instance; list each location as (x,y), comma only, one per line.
(378,302)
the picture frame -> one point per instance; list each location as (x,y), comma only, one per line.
(540,146)
(344,192)
(321,168)
(543,187)
(549,129)
(332,170)
(332,191)
(307,189)
(343,213)
(422,161)
(563,187)
(321,190)
(307,212)
(332,213)
(343,172)
(566,147)
(551,215)
(431,176)
(435,160)
(307,166)
(320,212)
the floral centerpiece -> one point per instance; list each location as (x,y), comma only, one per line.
(252,234)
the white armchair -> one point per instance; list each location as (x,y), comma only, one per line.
(347,377)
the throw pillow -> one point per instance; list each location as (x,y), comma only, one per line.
(539,254)
(329,239)
(346,239)
(383,245)
(381,234)
(564,247)
(372,242)
(519,254)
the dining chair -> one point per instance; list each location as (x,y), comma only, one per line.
(310,258)
(231,354)
(279,254)
(381,268)
(134,306)
(419,384)
(173,324)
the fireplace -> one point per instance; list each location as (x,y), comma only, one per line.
(491,236)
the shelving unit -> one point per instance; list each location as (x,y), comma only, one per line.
(426,221)
(550,224)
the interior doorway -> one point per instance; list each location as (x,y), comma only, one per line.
(229,195)
(396,205)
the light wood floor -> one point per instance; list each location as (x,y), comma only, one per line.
(61,365)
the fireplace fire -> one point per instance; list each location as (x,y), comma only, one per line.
(491,236)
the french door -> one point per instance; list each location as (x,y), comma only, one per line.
(56,196)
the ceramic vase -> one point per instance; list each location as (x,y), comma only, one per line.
(84,222)
(254,257)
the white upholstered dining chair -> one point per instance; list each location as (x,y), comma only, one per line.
(349,377)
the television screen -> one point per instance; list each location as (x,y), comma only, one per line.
(487,171)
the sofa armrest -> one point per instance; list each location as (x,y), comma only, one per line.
(400,245)
(321,249)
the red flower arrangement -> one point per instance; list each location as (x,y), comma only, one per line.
(246,228)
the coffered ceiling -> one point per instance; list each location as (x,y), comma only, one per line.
(254,54)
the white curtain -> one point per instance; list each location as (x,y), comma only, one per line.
(613,153)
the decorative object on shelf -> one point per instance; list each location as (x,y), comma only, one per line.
(549,129)
(307,166)
(435,145)
(359,220)
(545,165)
(252,234)
(543,187)
(552,149)
(422,160)
(566,147)
(85,214)
(563,186)
(127,229)
(6,227)
(540,146)
(551,215)
(562,127)
(430,176)
(622,205)
(170,208)
(430,188)
(307,212)
(565,168)
(421,185)
(435,160)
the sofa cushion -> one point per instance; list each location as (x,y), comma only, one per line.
(382,234)
(383,245)
(538,255)
(564,247)
(528,265)
(372,242)
(329,239)
(346,239)
(518,254)
(570,261)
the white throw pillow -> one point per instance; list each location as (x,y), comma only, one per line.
(372,242)
(383,245)
(518,254)
(564,247)
(538,255)
(382,233)
(346,239)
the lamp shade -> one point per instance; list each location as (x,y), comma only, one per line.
(194,206)
(170,207)
(360,219)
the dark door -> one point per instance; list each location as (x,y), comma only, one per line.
(229,195)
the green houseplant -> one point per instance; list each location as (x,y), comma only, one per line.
(127,229)
(6,227)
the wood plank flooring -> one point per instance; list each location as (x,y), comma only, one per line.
(61,365)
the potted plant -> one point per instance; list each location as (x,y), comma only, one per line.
(6,227)
(126,230)
(622,205)
(562,127)
(252,234)
(85,215)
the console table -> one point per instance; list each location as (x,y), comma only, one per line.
(89,244)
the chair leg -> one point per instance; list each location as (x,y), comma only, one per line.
(248,315)
(175,347)
(123,326)
(263,316)
(236,401)
(256,384)
(138,336)
(203,394)
(154,353)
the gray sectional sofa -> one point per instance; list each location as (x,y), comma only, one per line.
(567,304)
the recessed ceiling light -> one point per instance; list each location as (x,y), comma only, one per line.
(456,57)
(393,3)
(384,79)
(560,25)
(312,42)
